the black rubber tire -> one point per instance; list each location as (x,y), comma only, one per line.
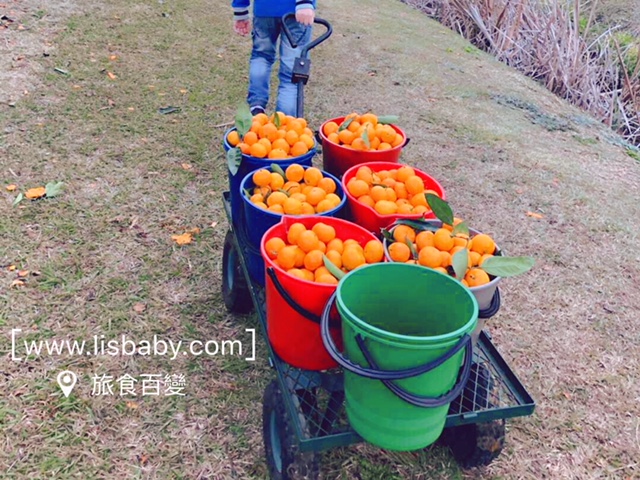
(477,444)
(235,291)
(284,460)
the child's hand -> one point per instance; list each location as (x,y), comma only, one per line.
(242,27)
(305,16)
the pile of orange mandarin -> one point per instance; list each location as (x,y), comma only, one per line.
(350,133)
(390,192)
(301,253)
(284,137)
(301,191)
(436,250)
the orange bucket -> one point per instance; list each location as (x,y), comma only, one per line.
(294,306)
(337,159)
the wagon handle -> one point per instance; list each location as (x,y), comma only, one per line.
(313,43)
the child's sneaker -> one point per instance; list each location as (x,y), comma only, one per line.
(255,110)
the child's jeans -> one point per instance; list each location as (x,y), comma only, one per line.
(266,31)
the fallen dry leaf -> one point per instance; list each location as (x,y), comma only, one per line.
(112,75)
(17,284)
(186,166)
(11,188)
(534,215)
(184,239)
(113,57)
(23,273)
(214,224)
(194,231)
(139,307)
(183,90)
(36,192)
(132,405)
(11,268)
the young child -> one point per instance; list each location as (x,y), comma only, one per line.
(267,29)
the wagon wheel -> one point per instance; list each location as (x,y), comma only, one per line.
(235,291)
(284,460)
(476,444)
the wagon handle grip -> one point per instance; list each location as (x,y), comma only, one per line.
(314,43)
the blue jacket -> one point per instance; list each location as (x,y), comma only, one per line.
(268,8)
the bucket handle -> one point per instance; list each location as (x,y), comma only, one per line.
(493,307)
(387,375)
(292,303)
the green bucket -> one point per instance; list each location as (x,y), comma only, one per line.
(407,351)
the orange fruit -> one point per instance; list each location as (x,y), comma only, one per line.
(268,131)
(385,207)
(256,198)
(352,258)
(404,173)
(346,137)
(298,148)
(276,198)
(367,200)
(292,206)
(424,239)
(429,257)
(307,140)
(277,154)
(456,221)
(307,241)
(373,251)
(258,150)
(261,117)
(312,176)
(316,195)
(441,270)
(378,192)
(273,246)
(335,244)
(404,208)
(291,137)
(280,144)
(313,260)
(327,184)
(442,240)
(418,200)
(307,209)
(403,232)
(233,138)
(414,184)
(476,277)
(335,257)
(329,128)
(286,257)
(276,208)
(446,259)
(327,278)
(398,140)
(365,173)
(474,259)
(250,138)
(277,182)
(399,252)
(294,172)
(297,272)
(324,206)
(294,232)
(357,187)
(334,138)
(483,258)
(292,188)
(324,232)
(483,243)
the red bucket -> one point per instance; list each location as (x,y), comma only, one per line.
(294,306)
(337,159)
(366,216)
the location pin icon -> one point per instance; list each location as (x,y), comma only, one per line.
(67,380)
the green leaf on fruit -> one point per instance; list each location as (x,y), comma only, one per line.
(365,138)
(278,169)
(234,159)
(462,228)
(388,119)
(387,235)
(344,125)
(412,247)
(417,224)
(333,268)
(507,266)
(53,189)
(244,119)
(460,263)
(440,208)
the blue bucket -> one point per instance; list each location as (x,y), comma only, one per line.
(249,164)
(258,220)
